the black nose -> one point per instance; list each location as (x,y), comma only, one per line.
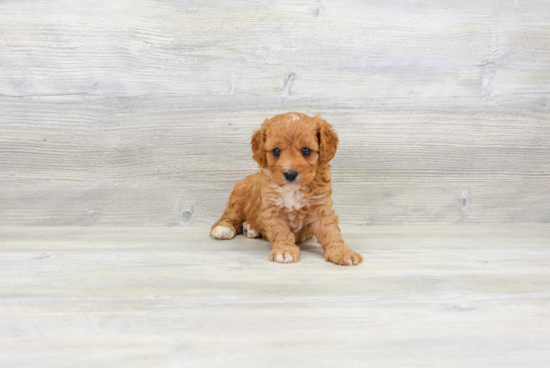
(291,175)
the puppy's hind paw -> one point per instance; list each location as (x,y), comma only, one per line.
(249,232)
(222,232)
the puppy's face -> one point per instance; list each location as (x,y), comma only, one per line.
(291,147)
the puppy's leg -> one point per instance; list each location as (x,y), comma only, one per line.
(326,230)
(245,198)
(226,227)
(230,224)
(283,243)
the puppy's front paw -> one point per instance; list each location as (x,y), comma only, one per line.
(222,232)
(341,255)
(285,255)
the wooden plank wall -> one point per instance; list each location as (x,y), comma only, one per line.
(140,112)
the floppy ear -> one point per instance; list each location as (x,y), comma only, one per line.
(258,150)
(328,141)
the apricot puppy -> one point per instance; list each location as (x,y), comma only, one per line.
(289,200)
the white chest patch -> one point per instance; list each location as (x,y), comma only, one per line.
(292,200)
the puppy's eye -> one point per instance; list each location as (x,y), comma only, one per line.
(306,151)
(276,152)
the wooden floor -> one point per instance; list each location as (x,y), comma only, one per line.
(425,296)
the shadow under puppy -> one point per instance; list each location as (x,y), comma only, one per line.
(289,200)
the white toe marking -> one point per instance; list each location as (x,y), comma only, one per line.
(249,231)
(222,232)
(284,258)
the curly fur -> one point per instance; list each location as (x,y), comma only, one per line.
(288,213)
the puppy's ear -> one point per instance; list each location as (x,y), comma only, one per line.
(258,150)
(328,141)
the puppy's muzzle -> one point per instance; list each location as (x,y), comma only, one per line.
(290,176)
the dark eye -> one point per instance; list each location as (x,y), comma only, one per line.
(306,151)
(276,152)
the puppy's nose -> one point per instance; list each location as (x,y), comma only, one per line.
(291,175)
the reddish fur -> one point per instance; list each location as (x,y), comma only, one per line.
(258,198)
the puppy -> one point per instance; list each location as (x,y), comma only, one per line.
(289,200)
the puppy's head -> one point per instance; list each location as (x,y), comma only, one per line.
(291,147)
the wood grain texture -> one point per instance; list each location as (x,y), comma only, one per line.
(140,112)
(425,296)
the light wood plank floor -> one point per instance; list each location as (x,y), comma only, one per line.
(425,296)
